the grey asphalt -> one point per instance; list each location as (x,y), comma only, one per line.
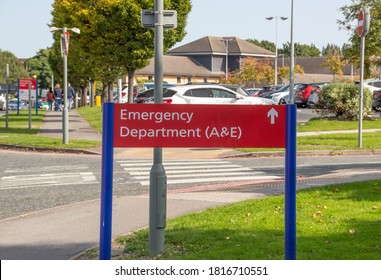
(64,232)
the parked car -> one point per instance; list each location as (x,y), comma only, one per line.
(372,85)
(267,91)
(376,105)
(14,103)
(303,95)
(147,96)
(237,88)
(2,102)
(209,94)
(253,91)
(270,93)
(152,85)
(124,93)
(282,96)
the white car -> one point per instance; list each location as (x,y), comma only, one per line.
(2,102)
(372,85)
(209,94)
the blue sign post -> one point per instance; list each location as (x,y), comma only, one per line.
(107,178)
(290,185)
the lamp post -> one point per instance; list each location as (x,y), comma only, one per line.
(276,46)
(65,51)
(226,42)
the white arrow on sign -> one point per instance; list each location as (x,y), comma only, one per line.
(272,114)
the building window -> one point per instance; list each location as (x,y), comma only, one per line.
(189,79)
(150,78)
(205,79)
(179,79)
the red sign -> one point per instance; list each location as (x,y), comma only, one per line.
(24,83)
(227,126)
(360,24)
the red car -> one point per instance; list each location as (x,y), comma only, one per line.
(301,98)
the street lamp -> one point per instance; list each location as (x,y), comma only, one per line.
(226,42)
(276,46)
(65,36)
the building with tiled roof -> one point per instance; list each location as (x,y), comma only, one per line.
(204,60)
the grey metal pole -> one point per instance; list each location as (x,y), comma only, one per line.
(29,107)
(65,112)
(52,81)
(158,179)
(276,53)
(7,97)
(227,60)
(292,97)
(362,51)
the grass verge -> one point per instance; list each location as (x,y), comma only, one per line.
(337,222)
(18,133)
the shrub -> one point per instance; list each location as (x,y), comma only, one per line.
(342,100)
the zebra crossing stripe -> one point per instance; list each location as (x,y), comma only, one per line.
(214,179)
(25,181)
(194,171)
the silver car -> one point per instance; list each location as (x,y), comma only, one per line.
(210,94)
(14,104)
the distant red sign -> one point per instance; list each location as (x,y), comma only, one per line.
(24,84)
(24,88)
(228,126)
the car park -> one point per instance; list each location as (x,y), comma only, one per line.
(209,94)
(282,96)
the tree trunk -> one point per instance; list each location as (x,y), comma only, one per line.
(110,92)
(131,74)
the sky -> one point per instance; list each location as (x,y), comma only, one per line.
(24,23)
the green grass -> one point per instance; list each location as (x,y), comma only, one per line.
(93,115)
(324,124)
(18,133)
(338,222)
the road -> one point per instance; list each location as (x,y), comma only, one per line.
(31,182)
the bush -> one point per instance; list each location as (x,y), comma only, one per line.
(342,100)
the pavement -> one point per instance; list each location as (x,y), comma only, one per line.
(62,233)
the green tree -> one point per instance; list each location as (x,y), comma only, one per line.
(334,62)
(39,66)
(301,50)
(253,70)
(263,44)
(112,40)
(16,68)
(330,48)
(372,42)
(284,72)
